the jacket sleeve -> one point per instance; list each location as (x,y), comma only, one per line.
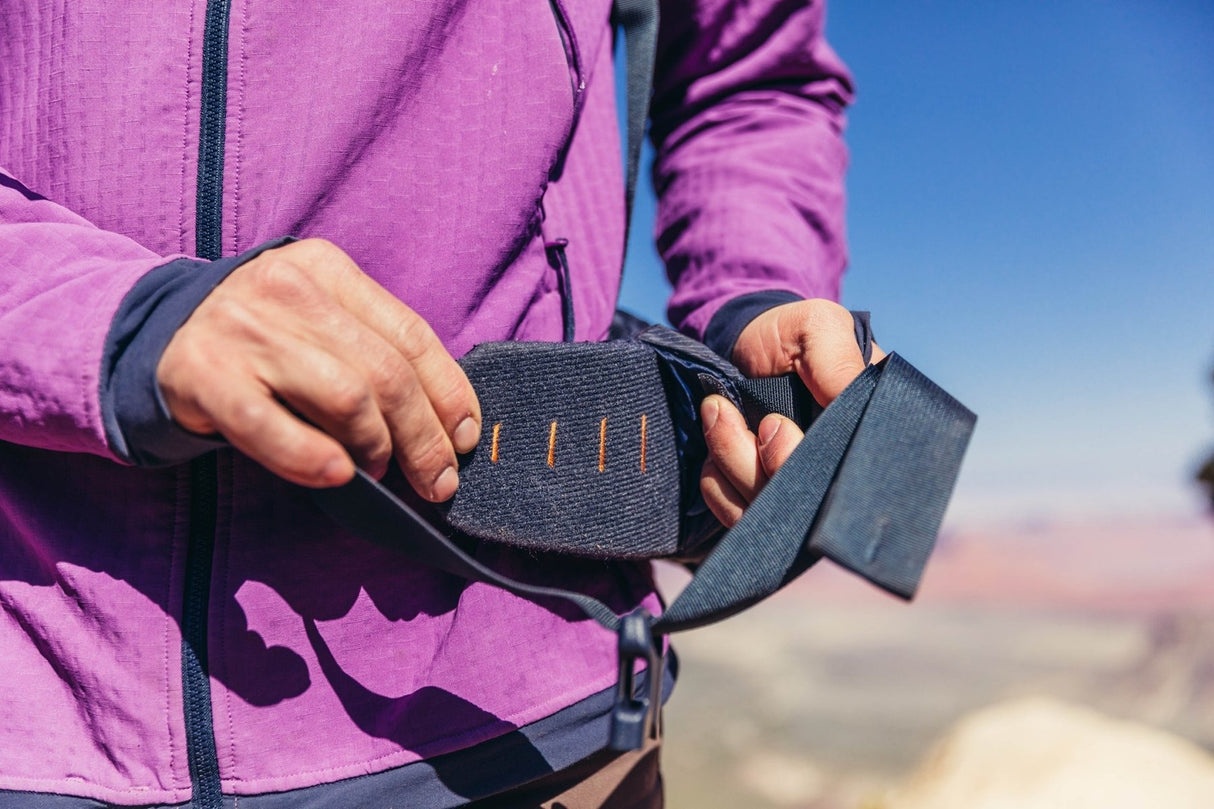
(747,121)
(84,316)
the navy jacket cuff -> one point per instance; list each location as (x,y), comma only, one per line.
(729,321)
(137,421)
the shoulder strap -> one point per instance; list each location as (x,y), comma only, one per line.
(639,21)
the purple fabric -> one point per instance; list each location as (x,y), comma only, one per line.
(747,118)
(420,139)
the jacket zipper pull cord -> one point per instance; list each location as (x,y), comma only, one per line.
(555,250)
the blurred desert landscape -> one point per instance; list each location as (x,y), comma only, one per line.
(1085,644)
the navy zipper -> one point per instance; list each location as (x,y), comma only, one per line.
(196,686)
(211,130)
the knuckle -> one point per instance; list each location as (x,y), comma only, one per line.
(319,246)
(414,338)
(380,452)
(427,453)
(323,257)
(392,379)
(229,315)
(824,313)
(280,279)
(184,358)
(248,414)
(451,394)
(347,396)
(824,307)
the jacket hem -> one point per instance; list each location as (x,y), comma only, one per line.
(446,781)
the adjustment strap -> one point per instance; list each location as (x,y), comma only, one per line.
(639,21)
(866,488)
(367,509)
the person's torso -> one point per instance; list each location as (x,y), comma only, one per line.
(420,138)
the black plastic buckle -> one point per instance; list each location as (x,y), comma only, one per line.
(636,716)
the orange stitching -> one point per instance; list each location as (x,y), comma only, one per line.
(642,443)
(552,445)
(603,445)
(497,429)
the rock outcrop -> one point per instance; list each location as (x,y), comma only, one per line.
(1043,754)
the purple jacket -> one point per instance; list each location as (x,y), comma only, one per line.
(421,138)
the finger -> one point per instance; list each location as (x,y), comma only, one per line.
(422,444)
(731,446)
(451,395)
(262,428)
(830,364)
(778,438)
(413,431)
(723,500)
(423,447)
(331,394)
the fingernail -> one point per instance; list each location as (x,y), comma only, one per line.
(768,429)
(445,485)
(466,435)
(712,409)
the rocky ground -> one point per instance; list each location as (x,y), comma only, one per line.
(830,694)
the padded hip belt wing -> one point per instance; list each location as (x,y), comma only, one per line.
(595,449)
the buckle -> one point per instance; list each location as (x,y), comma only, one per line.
(635,716)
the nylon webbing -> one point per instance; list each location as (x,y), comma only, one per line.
(367,509)
(639,21)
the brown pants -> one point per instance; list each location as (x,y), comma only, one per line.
(605,780)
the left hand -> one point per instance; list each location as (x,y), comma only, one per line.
(815,338)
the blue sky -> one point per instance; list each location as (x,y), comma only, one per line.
(1031,222)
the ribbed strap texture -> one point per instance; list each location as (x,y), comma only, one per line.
(866,488)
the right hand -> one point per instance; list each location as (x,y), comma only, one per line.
(302,330)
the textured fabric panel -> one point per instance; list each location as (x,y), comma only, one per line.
(586,204)
(424,157)
(535,751)
(556,471)
(90,578)
(333,657)
(99,112)
(580,452)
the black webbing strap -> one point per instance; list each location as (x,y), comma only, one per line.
(639,21)
(866,488)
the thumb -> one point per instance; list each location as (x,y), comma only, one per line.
(778,437)
(828,363)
